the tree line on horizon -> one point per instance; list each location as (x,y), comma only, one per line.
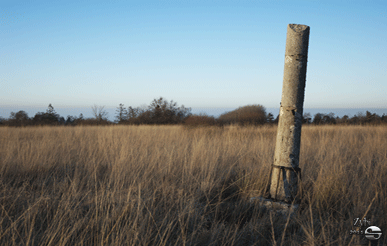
(162,112)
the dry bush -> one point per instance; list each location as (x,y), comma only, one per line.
(199,120)
(244,116)
(163,185)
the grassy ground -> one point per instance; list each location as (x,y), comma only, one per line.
(167,185)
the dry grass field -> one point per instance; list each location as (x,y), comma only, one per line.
(168,185)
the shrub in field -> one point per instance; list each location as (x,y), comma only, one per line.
(247,115)
(200,120)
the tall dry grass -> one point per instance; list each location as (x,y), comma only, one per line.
(168,185)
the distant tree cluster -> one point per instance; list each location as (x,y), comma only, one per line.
(51,118)
(159,112)
(358,119)
(162,112)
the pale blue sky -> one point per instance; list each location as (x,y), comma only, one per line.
(215,54)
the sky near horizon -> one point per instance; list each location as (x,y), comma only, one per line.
(215,54)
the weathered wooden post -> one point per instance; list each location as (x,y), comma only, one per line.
(285,171)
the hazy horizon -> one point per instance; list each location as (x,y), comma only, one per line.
(211,111)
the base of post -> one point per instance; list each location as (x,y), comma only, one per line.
(281,208)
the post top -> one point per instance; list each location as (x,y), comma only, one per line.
(298,27)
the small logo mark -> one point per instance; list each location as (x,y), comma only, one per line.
(373,233)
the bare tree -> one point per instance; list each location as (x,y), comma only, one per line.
(99,113)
